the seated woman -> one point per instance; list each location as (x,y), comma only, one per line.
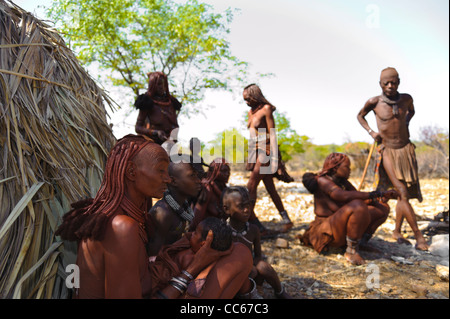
(344,216)
(112,236)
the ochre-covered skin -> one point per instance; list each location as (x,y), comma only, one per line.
(393,112)
(112,256)
(158,110)
(260,119)
(343,214)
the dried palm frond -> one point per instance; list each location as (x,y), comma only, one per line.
(54,140)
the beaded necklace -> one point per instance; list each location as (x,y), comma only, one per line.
(241,233)
(185,212)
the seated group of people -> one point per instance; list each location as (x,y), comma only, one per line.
(130,248)
(202,239)
(176,214)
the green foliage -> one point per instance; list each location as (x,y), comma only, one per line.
(432,150)
(289,141)
(129,38)
(229,144)
(314,156)
(232,145)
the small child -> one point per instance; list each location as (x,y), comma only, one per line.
(236,204)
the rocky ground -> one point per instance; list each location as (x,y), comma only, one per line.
(398,272)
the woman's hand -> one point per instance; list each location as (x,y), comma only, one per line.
(205,256)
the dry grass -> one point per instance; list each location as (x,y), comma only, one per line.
(54,139)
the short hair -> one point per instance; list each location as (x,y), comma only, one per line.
(389,71)
(243,191)
(222,239)
(182,158)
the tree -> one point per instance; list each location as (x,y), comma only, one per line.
(129,38)
(436,138)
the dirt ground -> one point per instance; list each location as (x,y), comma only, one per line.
(398,272)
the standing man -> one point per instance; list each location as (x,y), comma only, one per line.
(398,165)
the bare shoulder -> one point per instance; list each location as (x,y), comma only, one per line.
(373,101)
(122,242)
(369,106)
(161,213)
(406,97)
(159,209)
(241,249)
(268,108)
(123,226)
(322,181)
(326,185)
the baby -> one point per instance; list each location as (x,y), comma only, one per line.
(222,239)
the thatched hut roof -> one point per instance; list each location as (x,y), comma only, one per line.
(54,140)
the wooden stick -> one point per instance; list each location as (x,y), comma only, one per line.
(367,165)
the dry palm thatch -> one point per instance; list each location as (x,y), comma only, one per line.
(54,140)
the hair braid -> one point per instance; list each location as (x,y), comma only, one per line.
(88,218)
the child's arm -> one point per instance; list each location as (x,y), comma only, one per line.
(257,251)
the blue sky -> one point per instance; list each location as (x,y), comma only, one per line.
(326,56)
